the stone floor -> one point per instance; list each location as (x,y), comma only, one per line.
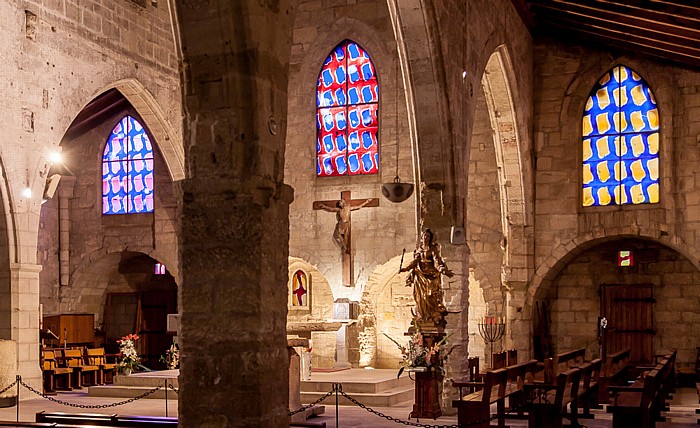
(682,413)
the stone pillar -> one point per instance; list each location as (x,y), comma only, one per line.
(8,371)
(235,220)
(65,193)
(24,280)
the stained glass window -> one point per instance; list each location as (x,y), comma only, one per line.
(347,113)
(620,141)
(127,170)
(300,289)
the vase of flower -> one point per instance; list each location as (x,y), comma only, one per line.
(127,351)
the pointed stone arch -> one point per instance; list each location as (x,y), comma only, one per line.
(166,137)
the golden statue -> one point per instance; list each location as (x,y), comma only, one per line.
(426,270)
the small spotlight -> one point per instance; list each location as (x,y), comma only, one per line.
(27,192)
(55,157)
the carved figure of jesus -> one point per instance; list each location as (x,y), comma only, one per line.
(342,214)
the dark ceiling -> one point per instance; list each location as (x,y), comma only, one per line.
(668,30)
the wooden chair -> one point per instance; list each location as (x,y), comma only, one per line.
(52,373)
(97,357)
(73,358)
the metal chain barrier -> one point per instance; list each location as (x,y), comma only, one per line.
(88,406)
(308,406)
(171,387)
(4,390)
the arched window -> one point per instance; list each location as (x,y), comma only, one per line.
(127,170)
(620,141)
(347,106)
(300,289)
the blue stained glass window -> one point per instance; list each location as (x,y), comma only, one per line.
(347,113)
(620,141)
(127,170)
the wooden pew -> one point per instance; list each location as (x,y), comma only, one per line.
(590,401)
(499,360)
(97,357)
(562,362)
(614,372)
(477,406)
(512,357)
(73,358)
(113,420)
(549,406)
(52,373)
(636,406)
(474,380)
(520,376)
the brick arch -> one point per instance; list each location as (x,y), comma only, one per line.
(165,135)
(562,254)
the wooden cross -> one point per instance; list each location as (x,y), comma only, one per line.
(342,233)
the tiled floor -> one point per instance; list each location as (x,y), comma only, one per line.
(682,413)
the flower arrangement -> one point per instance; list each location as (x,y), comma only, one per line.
(127,351)
(171,359)
(415,355)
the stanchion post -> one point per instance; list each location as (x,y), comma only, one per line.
(18,379)
(166,397)
(335,385)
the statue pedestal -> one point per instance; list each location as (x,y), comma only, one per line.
(426,403)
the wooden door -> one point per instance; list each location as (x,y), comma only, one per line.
(155,307)
(629,311)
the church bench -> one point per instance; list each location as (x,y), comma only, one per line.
(520,377)
(52,374)
(562,362)
(549,405)
(637,405)
(97,357)
(113,420)
(73,358)
(474,380)
(476,407)
(614,372)
(590,385)
(499,360)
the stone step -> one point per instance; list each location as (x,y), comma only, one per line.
(121,391)
(370,386)
(386,398)
(142,379)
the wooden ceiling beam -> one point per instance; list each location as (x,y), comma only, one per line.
(622,26)
(615,12)
(688,8)
(625,44)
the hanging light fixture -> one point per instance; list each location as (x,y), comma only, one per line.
(397,191)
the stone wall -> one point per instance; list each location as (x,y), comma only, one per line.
(96,240)
(380,233)
(563,228)
(575,296)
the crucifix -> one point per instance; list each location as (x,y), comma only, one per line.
(341,235)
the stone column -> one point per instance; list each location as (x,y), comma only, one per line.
(24,282)
(65,194)
(235,221)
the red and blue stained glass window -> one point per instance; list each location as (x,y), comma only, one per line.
(127,170)
(347,113)
(620,141)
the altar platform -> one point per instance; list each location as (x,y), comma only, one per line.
(378,387)
(137,384)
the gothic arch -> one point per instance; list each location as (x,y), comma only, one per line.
(166,138)
(509,145)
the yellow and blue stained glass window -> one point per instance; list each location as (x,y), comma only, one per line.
(620,141)
(127,170)
(347,113)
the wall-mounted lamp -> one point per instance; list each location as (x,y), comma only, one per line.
(26,192)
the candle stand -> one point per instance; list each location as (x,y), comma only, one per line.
(491,329)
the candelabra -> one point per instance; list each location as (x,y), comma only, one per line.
(491,329)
